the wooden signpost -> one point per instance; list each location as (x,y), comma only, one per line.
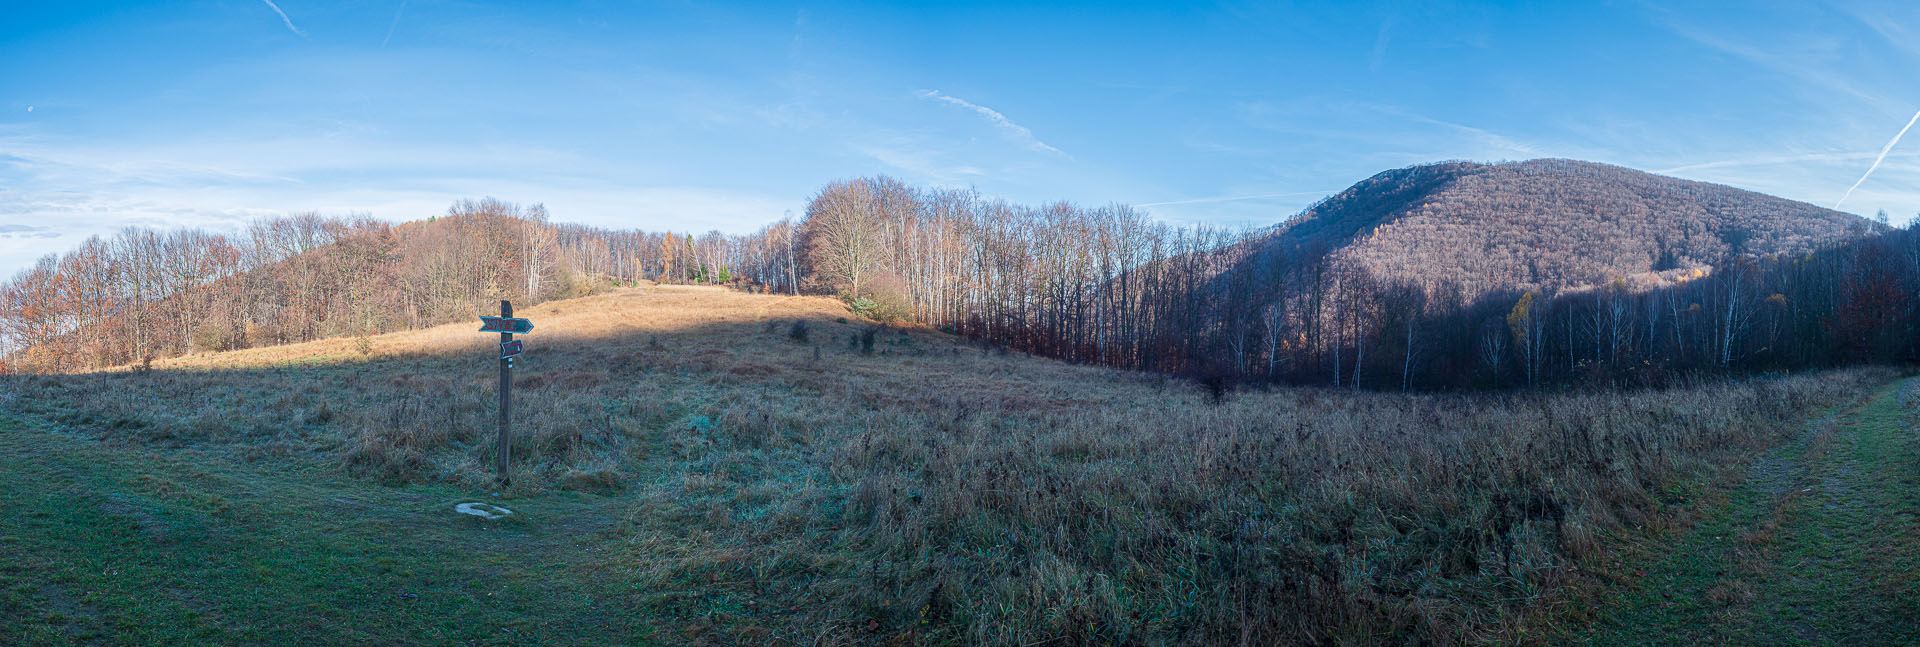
(510,348)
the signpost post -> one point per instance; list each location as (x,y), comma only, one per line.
(506,325)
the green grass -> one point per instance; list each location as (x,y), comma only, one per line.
(130,545)
(686,473)
(1819,545)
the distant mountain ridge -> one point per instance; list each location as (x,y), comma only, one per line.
(1545,224)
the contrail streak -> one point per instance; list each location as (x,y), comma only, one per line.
(1877,160)
(396,23)
(284,18)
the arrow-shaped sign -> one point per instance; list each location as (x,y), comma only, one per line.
(510,348)
(505,324)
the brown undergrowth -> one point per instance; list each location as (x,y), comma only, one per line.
(799,488)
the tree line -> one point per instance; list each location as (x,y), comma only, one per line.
(144,294)
(1110,286)
(1104,285)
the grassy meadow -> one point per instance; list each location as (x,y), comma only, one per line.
(699,465)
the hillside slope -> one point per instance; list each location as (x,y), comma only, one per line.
(1547,223)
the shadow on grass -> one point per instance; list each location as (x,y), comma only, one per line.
(746,485)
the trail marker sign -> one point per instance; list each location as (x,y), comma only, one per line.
(505,324)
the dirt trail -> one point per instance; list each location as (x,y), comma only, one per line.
(1820,545)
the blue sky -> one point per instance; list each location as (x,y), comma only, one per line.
(693,116)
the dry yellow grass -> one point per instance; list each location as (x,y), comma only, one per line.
(932,491)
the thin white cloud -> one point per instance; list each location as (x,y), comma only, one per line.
(396,23)
(1897,33)
(285,19)
(1877,160)
(26,231)
(1377,58)
(921,160)
(77,191)
(799,27)
(1764,160)
(1793,55)
(1234,198)
(1018,131)
(1496,142)
(1812,176)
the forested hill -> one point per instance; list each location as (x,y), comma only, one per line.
(1545,224)
(1438,276)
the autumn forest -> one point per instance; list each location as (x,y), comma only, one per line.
(1340,295)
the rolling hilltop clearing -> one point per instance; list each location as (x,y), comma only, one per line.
(698,465)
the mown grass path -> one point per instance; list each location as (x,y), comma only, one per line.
(1820,545)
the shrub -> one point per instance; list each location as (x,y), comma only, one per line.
(880,309)
(1216,388)
(579,285)
(798,332)
(863,306)
(217,335)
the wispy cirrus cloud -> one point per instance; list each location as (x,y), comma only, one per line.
(920,158)
(1799,56)
(1813,177)
(1886,21)
(1377,57)
(285,19)
(1017,131)
(1235,198)
(56,192)
(1763,160)
(27,231)
(1486,138)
